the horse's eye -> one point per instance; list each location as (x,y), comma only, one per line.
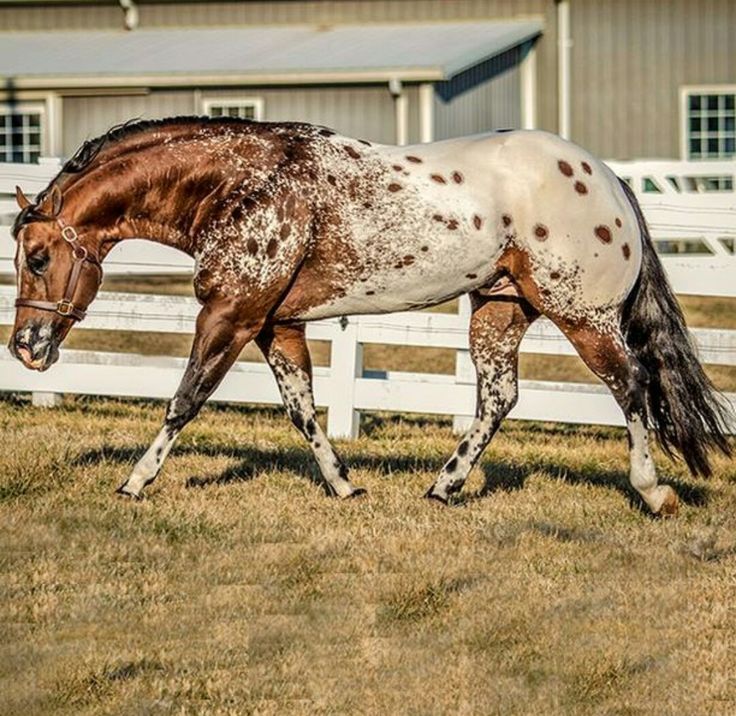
(38,263)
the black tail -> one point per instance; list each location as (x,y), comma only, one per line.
(685,410)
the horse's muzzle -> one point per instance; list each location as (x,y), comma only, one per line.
(35,345)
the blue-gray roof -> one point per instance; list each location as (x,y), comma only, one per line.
(426,51)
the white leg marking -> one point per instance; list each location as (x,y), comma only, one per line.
(148,466)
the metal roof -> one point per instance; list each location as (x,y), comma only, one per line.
(349,53)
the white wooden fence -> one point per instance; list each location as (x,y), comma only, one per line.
(683,209)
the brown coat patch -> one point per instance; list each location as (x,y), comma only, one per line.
(457,177)
(565,167)
(586,167)
(506,218)
(477,221)
(252,246)
(452,224)
(603,233)
(618,222)
(394,187)
(438,178)
(352,151)
(413,159)
(626,251)
(580,188)
(541,232)
(271,248)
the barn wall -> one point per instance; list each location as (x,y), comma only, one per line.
(365,112)
(629,59)
(486,97)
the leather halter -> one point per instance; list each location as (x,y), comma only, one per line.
(65,307)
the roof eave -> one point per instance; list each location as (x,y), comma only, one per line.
(58,82)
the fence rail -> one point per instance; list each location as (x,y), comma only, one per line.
(683,210)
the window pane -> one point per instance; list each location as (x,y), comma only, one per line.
(730,145)
(694,101)
(730,101)
(694,146)
(712,124)
(712,101)
(712,146)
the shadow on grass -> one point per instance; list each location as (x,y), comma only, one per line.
(499,475)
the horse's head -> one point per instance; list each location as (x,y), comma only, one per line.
(59,274)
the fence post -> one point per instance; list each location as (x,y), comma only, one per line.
(464,369)
(346,364)
(43,399)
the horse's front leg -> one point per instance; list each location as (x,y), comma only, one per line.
(285,349)
(221,332)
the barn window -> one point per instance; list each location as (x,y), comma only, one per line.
(710,123)
(248,108)
(21,132)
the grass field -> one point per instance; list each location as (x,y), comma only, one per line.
(237,587)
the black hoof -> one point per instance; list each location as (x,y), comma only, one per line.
(122,491)
(431,496)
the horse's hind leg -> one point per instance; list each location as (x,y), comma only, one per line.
(605,352)
(285,349)
(497,325)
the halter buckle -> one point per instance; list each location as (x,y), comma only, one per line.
(64,307)
(69,233)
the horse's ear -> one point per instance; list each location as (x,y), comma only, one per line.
(50,203)
(21,198)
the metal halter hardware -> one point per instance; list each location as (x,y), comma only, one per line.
(65,307)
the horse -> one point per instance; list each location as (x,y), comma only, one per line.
(289,223)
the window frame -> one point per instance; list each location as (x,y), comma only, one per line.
(685,93)
(39,107)
(256,102)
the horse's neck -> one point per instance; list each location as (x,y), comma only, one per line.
(175,195)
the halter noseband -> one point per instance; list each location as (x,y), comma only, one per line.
(65,307)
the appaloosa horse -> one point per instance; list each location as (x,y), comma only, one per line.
(290,223)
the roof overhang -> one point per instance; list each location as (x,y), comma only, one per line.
(285,55)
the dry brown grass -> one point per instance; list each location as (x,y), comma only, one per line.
(237,587)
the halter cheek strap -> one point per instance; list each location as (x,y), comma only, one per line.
(65,307)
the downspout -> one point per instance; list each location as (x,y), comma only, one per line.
(401,111)
(131,14)
(564,43)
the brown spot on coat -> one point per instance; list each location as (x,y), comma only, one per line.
(425,248)
(327,132)
(394,187)
(603,233)
(580,188)
(369,293)
(252,246)
(541,232)
(413,159)
(408,260)
(506,218)
(626,250)
(452,224)
(554,275)
(457,177)
(366,142)
(438,217)
(367,205)
(331,179)
(618,222)
(438,178)
(352,151)
(471,275)
(271,248)
(285,231)
(477,221)
(397,167)
(565,167)
(586,167)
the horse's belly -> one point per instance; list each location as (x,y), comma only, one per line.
(425,274)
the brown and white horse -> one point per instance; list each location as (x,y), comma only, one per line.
(291,222)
